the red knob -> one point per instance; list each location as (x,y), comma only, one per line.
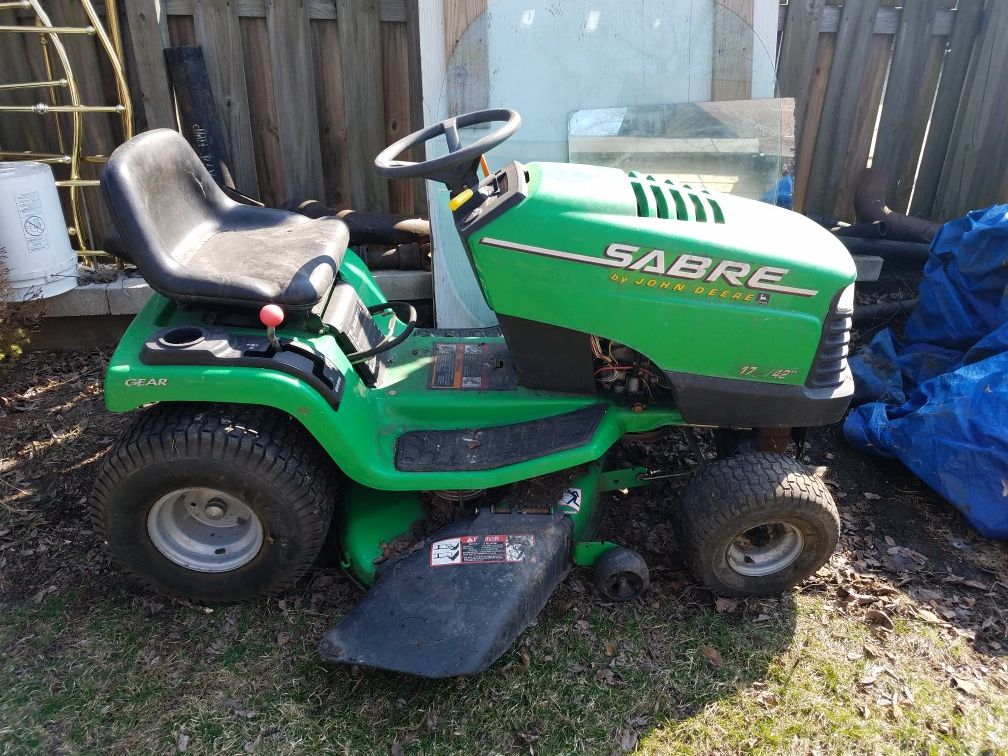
(271,315)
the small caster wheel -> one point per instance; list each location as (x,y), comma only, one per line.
(620,574)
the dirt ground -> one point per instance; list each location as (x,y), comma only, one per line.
(899,643)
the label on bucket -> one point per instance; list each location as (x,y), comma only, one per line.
(486,549)
(33,226)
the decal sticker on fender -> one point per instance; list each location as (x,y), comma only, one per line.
(146,382)
(687,267)
(481,549)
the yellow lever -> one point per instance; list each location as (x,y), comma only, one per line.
(460,199)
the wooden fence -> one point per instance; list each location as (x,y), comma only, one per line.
(929,85)
(310,90)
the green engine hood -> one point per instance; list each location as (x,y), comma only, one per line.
(701,283)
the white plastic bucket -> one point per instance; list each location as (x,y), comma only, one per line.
(34,243)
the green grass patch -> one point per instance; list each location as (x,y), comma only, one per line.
(596,679)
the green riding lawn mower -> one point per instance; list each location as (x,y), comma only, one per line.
(290,410)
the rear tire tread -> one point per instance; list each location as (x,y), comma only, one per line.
(252,437)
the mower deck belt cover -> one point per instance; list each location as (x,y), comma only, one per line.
(454,604)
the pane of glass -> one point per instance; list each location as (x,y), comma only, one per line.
(737,147)
(554,61)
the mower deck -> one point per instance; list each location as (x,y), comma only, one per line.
(456,602)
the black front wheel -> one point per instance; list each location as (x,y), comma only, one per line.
(756,524)
(214,502)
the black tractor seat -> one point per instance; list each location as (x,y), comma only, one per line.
(195,245)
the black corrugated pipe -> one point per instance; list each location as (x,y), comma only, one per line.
(870,207)
(885,248)
(369,228)
(884,310)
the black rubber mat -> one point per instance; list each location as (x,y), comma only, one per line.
(489,448)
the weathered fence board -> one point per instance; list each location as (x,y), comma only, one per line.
(974,171)
(731,66)
(147,28)
(294,92)
(906,90)
(969,16)
(262,109)
(360,43)
(798,53)
(219,34)
(843,91)
(808,133)
(331,113)
(869,95)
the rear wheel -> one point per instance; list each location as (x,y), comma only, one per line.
(214,502)
(756,524)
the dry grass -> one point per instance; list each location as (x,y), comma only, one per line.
(878,653)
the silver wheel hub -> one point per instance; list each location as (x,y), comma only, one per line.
(204,529)
(765,549)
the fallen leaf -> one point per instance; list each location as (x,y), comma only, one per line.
(397,748)
(871,496)
(928,616)
(966,686)
(432,720)
(713,656)
(182,743)
(879,618)
(871,675)
(628,741)
(610,648)
(724,605)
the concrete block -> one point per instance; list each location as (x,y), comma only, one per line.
(126,298)
(868,267)
(83,301)
(405,284)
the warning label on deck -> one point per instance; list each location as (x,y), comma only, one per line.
(486,549)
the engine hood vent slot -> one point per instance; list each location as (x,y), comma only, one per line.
(671,201)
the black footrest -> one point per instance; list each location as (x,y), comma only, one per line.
(453,606)
(488,448)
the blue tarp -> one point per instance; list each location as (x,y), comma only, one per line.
(937,399)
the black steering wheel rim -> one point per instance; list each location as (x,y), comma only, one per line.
(457,169)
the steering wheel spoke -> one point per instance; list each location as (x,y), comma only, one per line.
(452,135)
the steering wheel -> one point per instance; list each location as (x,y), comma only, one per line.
(457,169)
